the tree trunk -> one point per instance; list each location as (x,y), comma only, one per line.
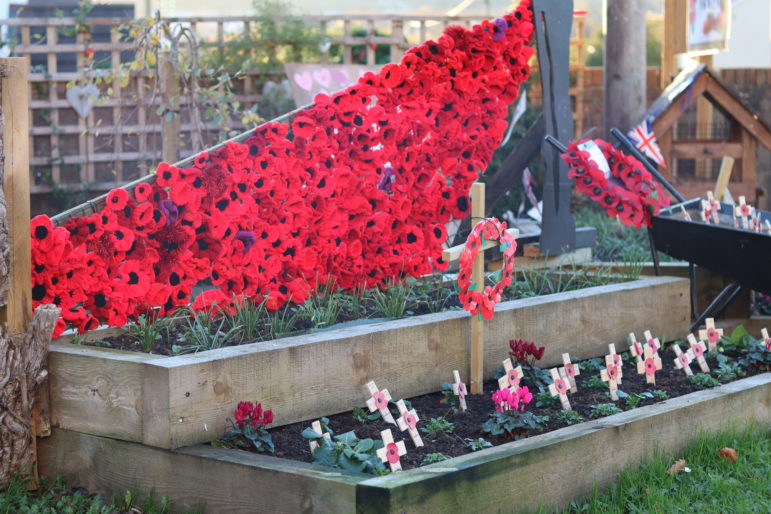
(22,358)
(625,61)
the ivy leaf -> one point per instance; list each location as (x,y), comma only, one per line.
(348,438)
(309,433)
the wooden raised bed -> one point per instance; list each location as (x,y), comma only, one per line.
(170,402)
(550,469)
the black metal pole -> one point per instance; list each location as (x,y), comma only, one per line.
(556,143)
(632,149)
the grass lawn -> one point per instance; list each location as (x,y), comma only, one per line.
(713,485)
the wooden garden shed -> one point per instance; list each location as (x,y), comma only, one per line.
(738,135)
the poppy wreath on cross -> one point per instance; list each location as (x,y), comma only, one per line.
(630,194)
(354,192)
(479,299)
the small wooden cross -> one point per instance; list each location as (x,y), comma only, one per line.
(652,342)
(571,370)
(635,348)
(705,212)
(316,425)
(714,206)
(409,421)
(477,277)
(683,360)
(686,216)
(391,451)
(766,339)
(513,375)
(459,389)
(560,386)
(612,375)
(745,212)
(616,359)
(379,402)
(649,366)
(710,334)
(697,349)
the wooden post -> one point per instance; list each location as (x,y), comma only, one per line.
(478,278)
(170,125)
(15,174)
(724,178)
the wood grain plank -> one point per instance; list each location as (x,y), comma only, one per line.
(211,479)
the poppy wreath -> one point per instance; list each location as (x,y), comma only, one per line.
(476,298)
(355,191)
(634,197)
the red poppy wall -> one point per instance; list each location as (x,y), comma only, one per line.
(356,191)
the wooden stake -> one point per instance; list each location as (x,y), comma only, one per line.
(513,375)
(571,370)
(170,119)
(316,425)
(745,212)
(649,366)
(635,348)
(766,338)
(724,177)
(477,277)
(611,374)
(616,359)
(391,452)
(409,421)
(710,333)
(652,342)
(714,207)
(683,360)
(560,386)
(459,389)
(697,349)
(379,402)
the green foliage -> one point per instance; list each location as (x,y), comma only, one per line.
(714,485)
(392,302)
(750,353)
(436,426)
(346,451)
(730,370)
(363,415)
(595,364)
(601,410)
(569,417)
(54,497)
(448,396)
(514,424)
(633,400)
(478,444)
(595,382)
(282,321)
(204,331)
(544,399)
(148,329)
(250,316)
(322,309)
(660,395)
(703,380)
(431,458)
(535,378)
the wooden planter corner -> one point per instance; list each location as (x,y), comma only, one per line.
(169,402)
(549,469)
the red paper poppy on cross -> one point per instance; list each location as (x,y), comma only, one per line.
(459,389)
(559,386)
(697,349)
(571,370)
(513,375)
(652,342)
(379,402)
(409,421)
(650,364)
(635,347)
(683,360)
(391,451)
(710,334)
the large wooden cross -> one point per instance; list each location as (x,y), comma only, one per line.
(477,277)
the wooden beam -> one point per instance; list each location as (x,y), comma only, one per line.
(676,108)
(15,100)
(517,160)
(724,177)
(749,157)
(476,378)
(453,253)
(700,149)
(735,109)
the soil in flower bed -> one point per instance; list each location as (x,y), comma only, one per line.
(468,425)
(173,334)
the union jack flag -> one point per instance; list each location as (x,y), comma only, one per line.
(645,141)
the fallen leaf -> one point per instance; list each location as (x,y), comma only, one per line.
(678,467)
(728,454)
